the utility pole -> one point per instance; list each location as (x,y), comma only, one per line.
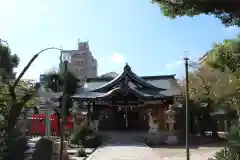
(186,107)
(66,60)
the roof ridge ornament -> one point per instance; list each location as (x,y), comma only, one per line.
(127,67)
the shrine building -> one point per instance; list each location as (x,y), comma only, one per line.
(127,101)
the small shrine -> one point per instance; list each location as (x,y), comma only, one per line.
(129,102)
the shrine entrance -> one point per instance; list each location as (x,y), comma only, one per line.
(127,119)
(124,119)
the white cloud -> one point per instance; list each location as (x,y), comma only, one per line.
(117,58)
(174,64)
(232,30)
(111,63)
(180,61)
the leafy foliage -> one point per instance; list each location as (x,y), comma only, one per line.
(212,87)
(227,56)
(207,84)
(227,11)
(81,153)
(14,93)
(23,88)
(86,137)
(7,61)
(232,152)
(55,81)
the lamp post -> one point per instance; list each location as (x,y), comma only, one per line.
(186,106)
(65,58)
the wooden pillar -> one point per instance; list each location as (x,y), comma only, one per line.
(218,125)
(225,125)
(94,112)
(88,113)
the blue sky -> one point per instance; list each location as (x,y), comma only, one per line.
(118,31)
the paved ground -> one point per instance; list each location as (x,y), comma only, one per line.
(124,152)
(142,152)
(202,153)
(128,147)
(124,148)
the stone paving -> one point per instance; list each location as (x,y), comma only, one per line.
(142,152)
(124,152)
(202,153)
(126,149)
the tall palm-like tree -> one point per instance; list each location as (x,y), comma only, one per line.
(54,80)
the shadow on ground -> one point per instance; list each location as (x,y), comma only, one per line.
(195,142)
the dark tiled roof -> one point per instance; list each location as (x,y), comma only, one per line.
(126,76)
(107,79)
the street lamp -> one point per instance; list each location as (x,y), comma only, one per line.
(65,58)
(186,106)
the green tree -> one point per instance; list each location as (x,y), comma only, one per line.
(226,56)
(15,94)
(231,151)
(24,87)
(7,61)
(227,11)
(55,81)
(210,86)
(17,104)
(207,83)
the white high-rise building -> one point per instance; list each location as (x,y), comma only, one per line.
(83,65)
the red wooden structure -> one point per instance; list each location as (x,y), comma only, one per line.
(38,124)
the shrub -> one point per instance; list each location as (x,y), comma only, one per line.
(232,151)
(86,137)
(92,141)
(81,153)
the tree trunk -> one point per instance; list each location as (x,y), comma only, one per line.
(238,114)
(214,129)
(202,127)
(212,124)
(237,109)
(14,113)
(58,124)
(12,118)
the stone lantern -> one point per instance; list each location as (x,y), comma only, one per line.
(171,121)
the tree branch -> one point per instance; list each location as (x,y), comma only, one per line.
(16,108)
(12,92)
(29,64)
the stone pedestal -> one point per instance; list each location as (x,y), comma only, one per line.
(57,146)
(57,156)
(154,137)
(171,137)
(79,117)
(153,125)
(94,125)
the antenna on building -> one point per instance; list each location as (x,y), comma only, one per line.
(78,43)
